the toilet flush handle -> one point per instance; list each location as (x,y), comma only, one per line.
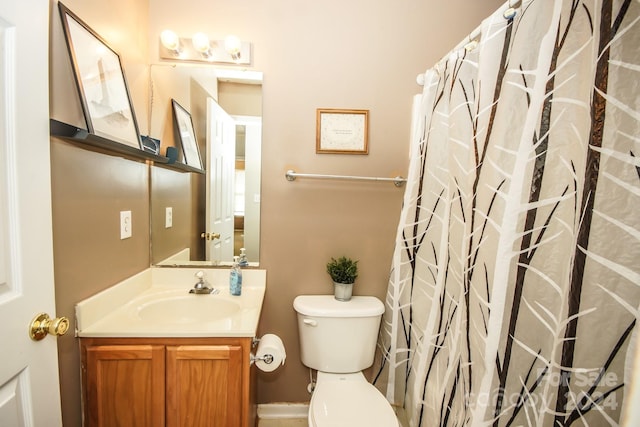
(310,322)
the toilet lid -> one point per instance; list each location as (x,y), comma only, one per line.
(350,404)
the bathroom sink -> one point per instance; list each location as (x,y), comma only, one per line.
(188,309)
(157,303)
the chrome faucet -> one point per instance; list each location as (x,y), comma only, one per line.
(201,286)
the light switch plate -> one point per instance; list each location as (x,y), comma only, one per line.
(168,217)
(125,224)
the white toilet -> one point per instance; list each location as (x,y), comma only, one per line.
(339,339)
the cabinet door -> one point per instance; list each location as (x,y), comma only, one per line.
(204,386)
(125,385)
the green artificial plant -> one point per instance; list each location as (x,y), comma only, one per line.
(343,270)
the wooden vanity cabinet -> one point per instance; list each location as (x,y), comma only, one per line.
(172,382)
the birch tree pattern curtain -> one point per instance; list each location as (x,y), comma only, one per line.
(515,285)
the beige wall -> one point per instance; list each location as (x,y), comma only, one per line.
(239,99)
(330,54)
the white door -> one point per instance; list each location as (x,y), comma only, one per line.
(221,153)
(252,187)
(29,388)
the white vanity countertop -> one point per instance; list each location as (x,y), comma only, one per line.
(156,303)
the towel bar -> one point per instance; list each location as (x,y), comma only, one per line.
(291,175)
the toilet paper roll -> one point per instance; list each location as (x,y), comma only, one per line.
(270,345)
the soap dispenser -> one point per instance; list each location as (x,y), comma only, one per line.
(243,262)
(235,278)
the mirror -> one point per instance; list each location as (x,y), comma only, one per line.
(190,210)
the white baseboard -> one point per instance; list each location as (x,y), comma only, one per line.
(282,410)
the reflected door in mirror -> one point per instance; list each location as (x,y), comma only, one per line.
(221,142)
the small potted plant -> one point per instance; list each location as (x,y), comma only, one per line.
(343,272)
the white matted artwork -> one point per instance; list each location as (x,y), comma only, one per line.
(342,131)
(187,136)
(104,94)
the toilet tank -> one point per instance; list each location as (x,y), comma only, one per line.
(337,336)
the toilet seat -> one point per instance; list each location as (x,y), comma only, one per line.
(349,400)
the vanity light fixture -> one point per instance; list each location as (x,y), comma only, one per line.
(170,41)
(201,49)
(200,42)
(233,46)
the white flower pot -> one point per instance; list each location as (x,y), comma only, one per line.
(342,291)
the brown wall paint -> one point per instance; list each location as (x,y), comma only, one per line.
(330,54)
(170,189)
(89,189)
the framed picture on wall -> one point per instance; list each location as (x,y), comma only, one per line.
(101,83)
(342,131)
(186,135)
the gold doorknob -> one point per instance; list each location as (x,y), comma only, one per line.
(42,324)
(210,236)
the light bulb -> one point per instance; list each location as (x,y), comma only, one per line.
(232,45)
(170,40)
(200,42)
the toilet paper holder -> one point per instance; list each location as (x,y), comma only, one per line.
(268,352)
(267,358)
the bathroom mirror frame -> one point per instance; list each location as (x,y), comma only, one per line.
(177,81)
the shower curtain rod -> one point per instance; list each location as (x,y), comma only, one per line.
(291,175)
(471,41)
(469,44)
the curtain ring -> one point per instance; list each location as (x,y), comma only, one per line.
(471,45)
(511,11)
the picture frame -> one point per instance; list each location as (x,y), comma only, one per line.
(186,134)
(101,82)
(340,131)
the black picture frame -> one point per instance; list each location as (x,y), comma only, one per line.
(186,134)
(101,82)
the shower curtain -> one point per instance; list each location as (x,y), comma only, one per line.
(515,284)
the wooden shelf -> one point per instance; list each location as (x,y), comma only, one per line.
(180,167)
(83,138)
